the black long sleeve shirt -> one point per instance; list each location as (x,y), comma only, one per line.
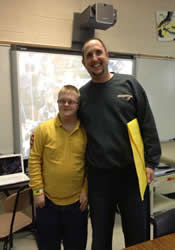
(105,110)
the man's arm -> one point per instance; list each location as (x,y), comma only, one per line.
(149,133)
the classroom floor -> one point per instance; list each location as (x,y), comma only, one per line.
(25,240)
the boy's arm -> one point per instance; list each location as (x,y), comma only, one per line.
(35,167)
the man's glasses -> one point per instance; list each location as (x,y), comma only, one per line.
(69,102)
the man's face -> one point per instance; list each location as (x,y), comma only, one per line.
(96,60)
(68,104)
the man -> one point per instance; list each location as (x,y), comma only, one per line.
(57,177)
(108,102)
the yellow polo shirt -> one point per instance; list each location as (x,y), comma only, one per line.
(57,162)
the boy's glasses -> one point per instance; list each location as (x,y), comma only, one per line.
(69,102)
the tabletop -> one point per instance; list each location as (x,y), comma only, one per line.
(6,188)
(166,242)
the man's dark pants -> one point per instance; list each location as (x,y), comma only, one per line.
(108,189)
(61,223)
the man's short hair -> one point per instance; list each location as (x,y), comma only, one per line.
(94,38)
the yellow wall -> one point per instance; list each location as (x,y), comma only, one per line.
(49,22)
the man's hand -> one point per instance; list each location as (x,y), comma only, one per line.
(31,139)
(149,175)
(39,200)
(83,201)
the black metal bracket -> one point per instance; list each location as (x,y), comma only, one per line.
(80,34)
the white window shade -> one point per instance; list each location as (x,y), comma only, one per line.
(37,78)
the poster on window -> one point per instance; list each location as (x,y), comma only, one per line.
(166,25)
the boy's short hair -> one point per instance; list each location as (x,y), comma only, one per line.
(69,88)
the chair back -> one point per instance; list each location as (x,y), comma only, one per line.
(24,200)
(14,218)
(164,223)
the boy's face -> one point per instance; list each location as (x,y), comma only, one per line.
(68,103)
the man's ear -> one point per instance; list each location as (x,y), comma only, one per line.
(83,62)
(107,54)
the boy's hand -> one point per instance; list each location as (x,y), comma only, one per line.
(39,200)
(83,201)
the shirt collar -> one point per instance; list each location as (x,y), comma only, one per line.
(59,123)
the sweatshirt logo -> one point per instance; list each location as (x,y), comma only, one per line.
(126,97)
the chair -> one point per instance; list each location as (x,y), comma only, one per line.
(164,223)
(14,219)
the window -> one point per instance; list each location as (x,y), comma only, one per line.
(39,77)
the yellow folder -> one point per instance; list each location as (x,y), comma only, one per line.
(138,154)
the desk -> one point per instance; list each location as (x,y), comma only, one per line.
(166,242)
(168,155)
(159,202)
(15,186)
